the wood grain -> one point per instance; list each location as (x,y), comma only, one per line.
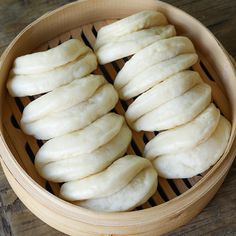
(219,218)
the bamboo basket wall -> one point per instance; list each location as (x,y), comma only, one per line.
(175,201)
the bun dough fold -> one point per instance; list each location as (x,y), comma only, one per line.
(156,74)
(83,165)
(159,51)
(74,118)
(177,111)
(163,92)
(82,141)
(47,60)
(62,98)
(197,160)
(107,182)
(186,136)
(134,194)
(130,44)
(133,23)
(34,84)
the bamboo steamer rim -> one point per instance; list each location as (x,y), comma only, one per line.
(170,208)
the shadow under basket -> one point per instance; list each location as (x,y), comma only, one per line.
(175,201)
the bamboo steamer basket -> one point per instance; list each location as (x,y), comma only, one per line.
(176,201)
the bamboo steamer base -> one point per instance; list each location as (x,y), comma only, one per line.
(175,201)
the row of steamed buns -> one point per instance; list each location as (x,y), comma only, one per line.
(87,142)
(165,95)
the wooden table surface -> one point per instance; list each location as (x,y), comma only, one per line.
(219,217)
